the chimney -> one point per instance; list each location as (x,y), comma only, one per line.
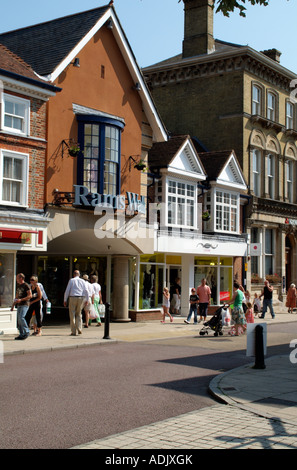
(198,28)
(273,54)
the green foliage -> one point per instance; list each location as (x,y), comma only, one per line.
(227,6)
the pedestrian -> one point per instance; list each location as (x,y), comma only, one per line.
(238,315)
(176,296)
(21,301)
(267,293)
(291,298)
(76,294)
(256,305)
(166,305)
(204,294)
(249,315)
(90,301)
(44,299)
(194,299)
(35,306)
(97,297)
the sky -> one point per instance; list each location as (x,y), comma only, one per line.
(155,28)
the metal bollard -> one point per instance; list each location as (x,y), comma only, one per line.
(259,347)
(106,322)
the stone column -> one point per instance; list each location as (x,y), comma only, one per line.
(120,305)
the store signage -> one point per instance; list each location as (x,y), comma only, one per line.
(290,221)
(83,197)
(256,249)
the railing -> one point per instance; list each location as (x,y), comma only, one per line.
(191,235)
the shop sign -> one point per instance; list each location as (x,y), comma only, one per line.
(255,249)
(83,197)
(290,221)
(16,236)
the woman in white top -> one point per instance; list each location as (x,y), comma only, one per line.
(97,298)
(166,305)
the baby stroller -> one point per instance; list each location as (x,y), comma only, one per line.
(215,323)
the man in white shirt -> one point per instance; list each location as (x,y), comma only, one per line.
(78,295)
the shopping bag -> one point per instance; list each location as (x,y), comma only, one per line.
(93,314)
(101,308)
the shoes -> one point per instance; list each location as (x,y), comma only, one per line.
(162,321)
(99,324)
(171,319)
(186,321)
(21,337)
(261,316)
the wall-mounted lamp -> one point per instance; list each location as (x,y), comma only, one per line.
(137,86)
(109,24)
(76,63)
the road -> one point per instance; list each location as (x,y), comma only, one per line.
(61,399)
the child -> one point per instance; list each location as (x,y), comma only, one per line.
(194,299)
(249,316)
(166,304)
(257,305)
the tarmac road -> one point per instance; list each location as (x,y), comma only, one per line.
(63,398)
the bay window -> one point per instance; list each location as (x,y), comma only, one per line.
(226,212)
(99,162)
(181,204)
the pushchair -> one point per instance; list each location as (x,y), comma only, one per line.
(215,323)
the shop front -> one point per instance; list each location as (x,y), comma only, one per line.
(23,235)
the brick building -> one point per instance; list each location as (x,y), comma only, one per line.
(23,222)
(231,96)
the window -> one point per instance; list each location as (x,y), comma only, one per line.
(99,162)
(13,177)
(256,100)
(289,180)
(16,115)
(181,204)
(255,238)
(227,210)
(256,172)
(289,115)
(271,175)
(269,249)
(271,106)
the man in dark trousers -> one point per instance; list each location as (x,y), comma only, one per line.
(267,293)
(21,301)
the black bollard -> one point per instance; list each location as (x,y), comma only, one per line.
(259,346)
(106,321)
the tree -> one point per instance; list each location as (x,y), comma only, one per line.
(227,6)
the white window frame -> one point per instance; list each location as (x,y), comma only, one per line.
(257,172)
(269,255)
(289,169)
(271,106)
(271,175)
(225,211)
(25,119)
(180,217)
(289,115)
(23,182)
(256,100)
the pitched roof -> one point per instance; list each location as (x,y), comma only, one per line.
(162,153)
(14,67)
(45,45)
(214,162)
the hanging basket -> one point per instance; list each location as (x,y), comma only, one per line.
(73,150)
(205,216)
(140,166)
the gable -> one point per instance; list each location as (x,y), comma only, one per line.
(231,175)
(186,162)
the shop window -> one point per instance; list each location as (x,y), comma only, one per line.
(151,285)
(13,178)
(16,115)
(6,279)
(218,273)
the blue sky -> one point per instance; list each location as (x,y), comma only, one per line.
(154,28)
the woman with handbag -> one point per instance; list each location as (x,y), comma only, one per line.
(97,299)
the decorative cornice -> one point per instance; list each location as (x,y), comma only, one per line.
(244,60)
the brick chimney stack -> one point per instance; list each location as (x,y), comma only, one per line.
(198,28)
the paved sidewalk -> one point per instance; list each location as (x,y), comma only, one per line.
(257,409)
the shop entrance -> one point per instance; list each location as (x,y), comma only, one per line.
(172,274)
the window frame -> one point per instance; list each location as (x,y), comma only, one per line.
(225,207)
(257,174)
(103,123)
(289,168)
(188,204)
(26,118)
(272,111)
(271,177)
(290,118)
(256,105)
(25,177)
